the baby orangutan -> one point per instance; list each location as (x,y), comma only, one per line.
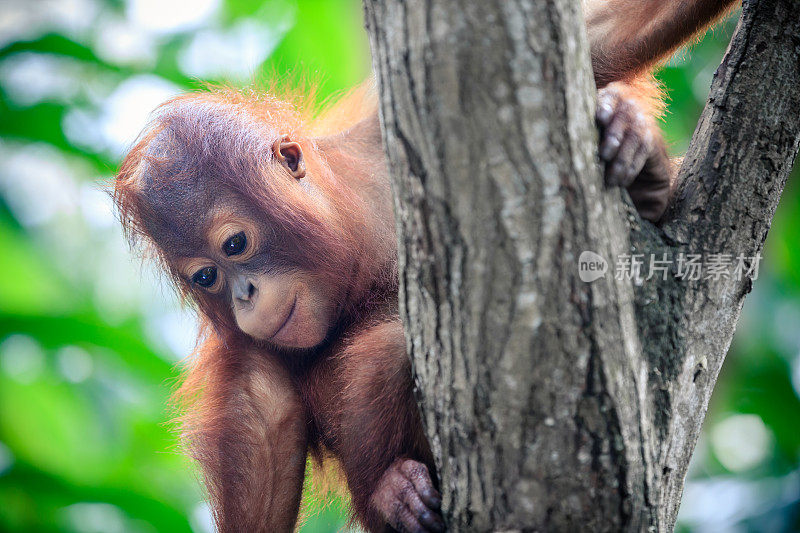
(284,238)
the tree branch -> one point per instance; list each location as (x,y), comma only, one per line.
(732,178)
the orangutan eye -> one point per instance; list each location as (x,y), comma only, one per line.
(205,277)
(235,245)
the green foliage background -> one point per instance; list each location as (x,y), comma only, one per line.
(89,337)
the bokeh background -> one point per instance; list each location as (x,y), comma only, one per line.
(90,337)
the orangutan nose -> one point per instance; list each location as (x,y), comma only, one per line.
(243,289)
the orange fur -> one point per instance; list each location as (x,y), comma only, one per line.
(243,417)
(627,38)
(372,377)
(245,424)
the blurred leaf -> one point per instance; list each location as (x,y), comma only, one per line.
(28,285)
(40,503)
(328,45)
(125,340)
(57,44)
(42,122)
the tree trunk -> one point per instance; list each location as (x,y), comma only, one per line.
(551,403)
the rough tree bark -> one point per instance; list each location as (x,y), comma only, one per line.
(553,404)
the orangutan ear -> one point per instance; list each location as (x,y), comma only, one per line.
(290,155)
